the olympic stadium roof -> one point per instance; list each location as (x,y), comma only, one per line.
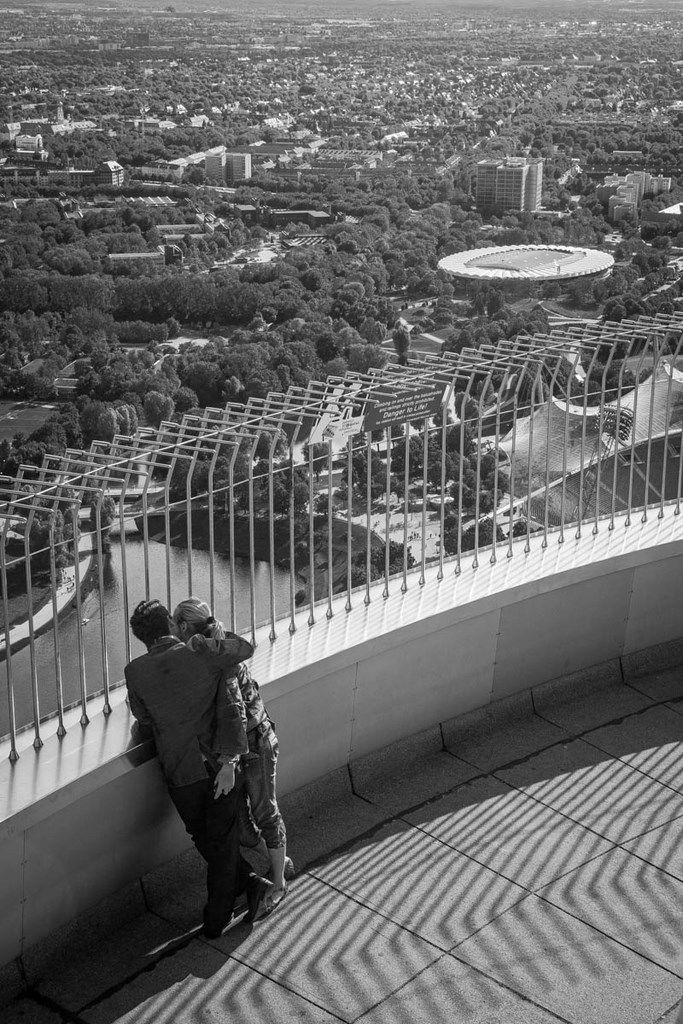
(527,263)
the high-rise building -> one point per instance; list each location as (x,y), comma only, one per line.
(624,202)
(486,183)
(512,183)
(534,184)
(214,166)
(237,166)
(623,194)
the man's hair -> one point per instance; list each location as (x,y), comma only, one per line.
(150,621)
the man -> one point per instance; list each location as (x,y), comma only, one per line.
(192,705)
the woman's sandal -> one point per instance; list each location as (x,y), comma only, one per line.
(275,898)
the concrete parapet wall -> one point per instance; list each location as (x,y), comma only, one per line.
(412,666)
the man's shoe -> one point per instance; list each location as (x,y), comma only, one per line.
(257,894)
(211,932)
(289,869)
(213,929)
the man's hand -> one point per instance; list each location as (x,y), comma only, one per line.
(224,781)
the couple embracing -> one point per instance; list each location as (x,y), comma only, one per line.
(218,751)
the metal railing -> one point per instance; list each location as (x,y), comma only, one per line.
(302,496)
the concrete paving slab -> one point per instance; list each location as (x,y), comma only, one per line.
(648,663)
(662,846)
(408,772)
(583,703)
(84,933)
(633,902)
(85,971)
(199,984)
(673,1016)
(600,792)
(676,704)
(452,991)
(651,741)
(509,832)
(12,984)
(28,1011)
(323,816)
(573,970)
(499,733)
(329,949)
(428,888)
(176,891)
(665,684)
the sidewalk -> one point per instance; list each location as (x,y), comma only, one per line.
(520,865)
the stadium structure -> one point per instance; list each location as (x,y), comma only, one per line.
(527,263)
(632,439)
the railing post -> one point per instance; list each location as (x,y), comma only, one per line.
(548,447)
(368,516)
(311,537)
(75,510)
(37,741)
(387,516)
(100,584)
(349,521)
(496,460)
(252,551)
(634,430)
(330,538)
(461,472)
(11,709)
(423,525)
(54,586)
(567,403)
(598,441)
(667,424)
(442,511)
(532,409)
(406,485)
(477,490)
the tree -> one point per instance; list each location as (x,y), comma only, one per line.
(157,407)
(185,399)
(365,357)
(98,422)
(400,336)
(126,418)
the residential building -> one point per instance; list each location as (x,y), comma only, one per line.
(214,166)
(237,166)
(619,187)
(624,202)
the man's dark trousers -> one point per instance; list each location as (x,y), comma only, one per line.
(213,826)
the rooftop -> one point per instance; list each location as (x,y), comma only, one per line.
(519,864)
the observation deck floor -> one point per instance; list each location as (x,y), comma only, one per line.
(519,864)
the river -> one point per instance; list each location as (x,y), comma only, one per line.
(115,620)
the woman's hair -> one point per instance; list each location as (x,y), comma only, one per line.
(197,614)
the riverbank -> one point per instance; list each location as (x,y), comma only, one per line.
(156,526)
(43,615)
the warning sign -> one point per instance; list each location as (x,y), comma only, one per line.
(341,417)
(414,404)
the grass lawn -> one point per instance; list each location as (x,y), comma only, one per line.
(22,418)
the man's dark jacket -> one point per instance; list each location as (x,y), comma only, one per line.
(192,703)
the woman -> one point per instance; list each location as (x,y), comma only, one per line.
(201,632)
